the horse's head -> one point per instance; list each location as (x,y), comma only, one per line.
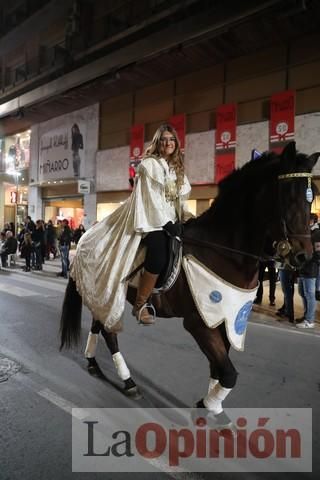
(295,195)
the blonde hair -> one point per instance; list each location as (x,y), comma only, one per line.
(27,238)
(175,160)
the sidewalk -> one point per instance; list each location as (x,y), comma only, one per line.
(52,266)
(265,308)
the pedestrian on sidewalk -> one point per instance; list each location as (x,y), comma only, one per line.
(272,274)
(26,250)
(315,237)
(307,276)
(287,276)
(64,246)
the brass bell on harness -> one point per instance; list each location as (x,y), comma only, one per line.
(283,248)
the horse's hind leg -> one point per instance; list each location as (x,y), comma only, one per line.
(91,348)
(122,369)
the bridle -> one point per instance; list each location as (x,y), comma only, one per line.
(283,247)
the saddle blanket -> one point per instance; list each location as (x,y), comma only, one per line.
(218,301)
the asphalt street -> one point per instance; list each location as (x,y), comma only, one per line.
(38,385)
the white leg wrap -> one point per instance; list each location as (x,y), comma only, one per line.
(212,383)
(121,366)
(213,400)
(91,348)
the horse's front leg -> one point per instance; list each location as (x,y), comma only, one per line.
(214,344)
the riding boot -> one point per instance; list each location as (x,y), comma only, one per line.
(140,309)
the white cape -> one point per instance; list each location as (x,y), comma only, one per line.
(106,252)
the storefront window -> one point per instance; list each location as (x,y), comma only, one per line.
(60,209)
(192,206)
(15,194)
(316,206)
(105,209)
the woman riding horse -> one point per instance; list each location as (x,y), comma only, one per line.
(214,291)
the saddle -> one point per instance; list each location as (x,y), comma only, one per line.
(167,279)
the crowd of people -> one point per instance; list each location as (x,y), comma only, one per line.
(307,277)
(39,241)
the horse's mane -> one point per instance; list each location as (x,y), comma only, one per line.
(244,175)
(250,176)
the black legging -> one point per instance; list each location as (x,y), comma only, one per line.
(157,251)
(272,279)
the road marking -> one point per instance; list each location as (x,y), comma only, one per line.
(39,281)
(17,291)
(312,333)
(65,405)
(81,414)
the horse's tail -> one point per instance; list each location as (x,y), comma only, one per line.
(70,323)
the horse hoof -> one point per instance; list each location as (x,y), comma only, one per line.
(202,416)
(133,393)
(95,371)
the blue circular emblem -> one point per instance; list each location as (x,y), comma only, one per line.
(241,321)
(215,296)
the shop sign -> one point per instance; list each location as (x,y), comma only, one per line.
(61,152)
(83,186)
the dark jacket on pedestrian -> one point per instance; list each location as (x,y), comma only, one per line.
(10,245)
(311,267)
(66,236)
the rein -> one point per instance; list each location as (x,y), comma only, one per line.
(212,246)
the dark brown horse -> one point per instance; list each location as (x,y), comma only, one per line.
(268,196)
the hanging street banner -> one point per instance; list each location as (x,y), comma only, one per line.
(179,124)
(225,140)
(61,152)
(136,142)
(281,126)
(136,150)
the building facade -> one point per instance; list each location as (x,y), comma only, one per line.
(105,66)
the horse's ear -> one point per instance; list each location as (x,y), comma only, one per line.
(312,160)
(289,153)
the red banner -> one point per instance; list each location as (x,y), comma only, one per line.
(225,145)
(224,165)
(136,142)
(179,124)
(282,112)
